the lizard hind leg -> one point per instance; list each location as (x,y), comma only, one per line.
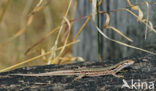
(79,77)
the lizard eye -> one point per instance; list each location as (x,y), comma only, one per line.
(126,64)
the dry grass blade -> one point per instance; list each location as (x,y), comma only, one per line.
(4,10)
(82,27)
(116,30)
(149,26)
(55,60)
(124,44)
(41,40)
(12,38)
(147,5)
(66,40)
(53,55)
(100,2)
(46,36)
(29,21)
(44,57)
(107,20)
(34,58)
(69,59)
(106,25)
(129,3)
(94,5)
(137,8)
(38,7)
(140,15)
(79,31)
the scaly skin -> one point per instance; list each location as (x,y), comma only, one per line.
(111,70)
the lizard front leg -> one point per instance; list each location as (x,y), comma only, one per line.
(118,76)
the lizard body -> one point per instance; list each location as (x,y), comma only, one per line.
(110,70)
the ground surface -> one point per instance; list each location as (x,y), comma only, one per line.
(144,70)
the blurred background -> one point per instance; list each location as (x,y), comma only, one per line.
(28,29)
(16,37)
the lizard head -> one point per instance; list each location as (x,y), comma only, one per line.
(125,64)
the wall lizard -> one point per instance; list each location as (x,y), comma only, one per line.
(81,72)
